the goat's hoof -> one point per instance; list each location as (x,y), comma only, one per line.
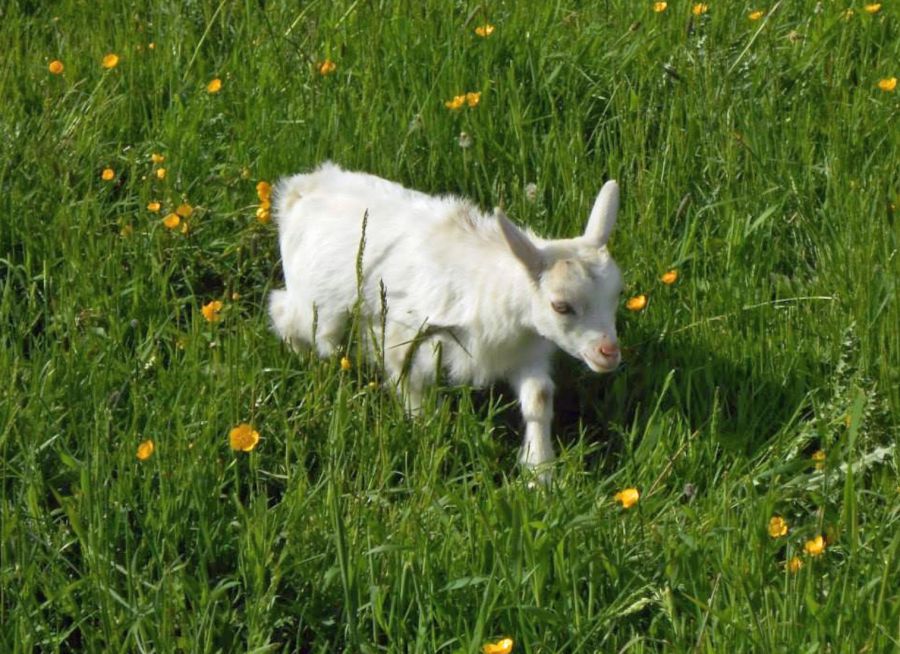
(539,478)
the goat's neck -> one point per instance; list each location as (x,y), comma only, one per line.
(504,312)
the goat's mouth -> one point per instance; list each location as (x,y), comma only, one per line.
(601,363)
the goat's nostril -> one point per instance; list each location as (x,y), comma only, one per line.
(609,349)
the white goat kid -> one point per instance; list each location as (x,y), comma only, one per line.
(466,291)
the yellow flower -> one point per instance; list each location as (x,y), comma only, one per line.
(184,210)
(108,175)
(151,46)
(263,191)
(504,646)
(795,564)
(456,103)
(145,450)
(660,7)
(211,310)
(157,158)
(160,173)
(699,9)
(153,207)
(819,457)
(848,14)
(243,437)
(172,221)
(636,303)
(214,86)
(669,277)
(56,67)
(815,547)
(756,15)
(777,527)
(485,30)
(873,8)
(345,364)
(472,98)
(888,84)
(627,498)
(263,215)
(327,67)
(110,61)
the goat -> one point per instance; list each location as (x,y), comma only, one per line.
(454,290)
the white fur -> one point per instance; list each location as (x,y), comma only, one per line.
(463,288)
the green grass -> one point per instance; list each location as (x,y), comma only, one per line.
(763,166)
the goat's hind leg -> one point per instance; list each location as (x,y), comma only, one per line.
(287,319)
(300,325)
(329,331)
(410,365)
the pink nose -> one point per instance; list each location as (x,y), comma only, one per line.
(609,349)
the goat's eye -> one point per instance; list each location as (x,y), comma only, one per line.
(563,307)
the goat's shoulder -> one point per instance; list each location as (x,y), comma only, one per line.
(462,221)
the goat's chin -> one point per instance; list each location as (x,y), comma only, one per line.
(601,364)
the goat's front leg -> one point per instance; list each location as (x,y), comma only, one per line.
(535,391)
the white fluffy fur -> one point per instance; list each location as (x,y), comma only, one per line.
(465,289)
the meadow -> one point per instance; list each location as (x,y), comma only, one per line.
(758,150)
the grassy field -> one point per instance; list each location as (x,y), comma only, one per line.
(758,156)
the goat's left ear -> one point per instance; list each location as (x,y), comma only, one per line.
(526,251)
(603,215)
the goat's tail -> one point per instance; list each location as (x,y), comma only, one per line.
(287,192)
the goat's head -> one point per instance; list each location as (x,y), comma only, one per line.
(576,285)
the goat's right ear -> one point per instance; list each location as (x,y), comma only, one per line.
(521,245)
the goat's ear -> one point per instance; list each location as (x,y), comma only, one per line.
(603,215)
(520,244)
